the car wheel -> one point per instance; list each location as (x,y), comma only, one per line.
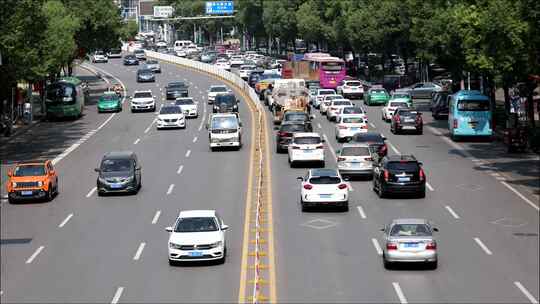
(432,265)
(321,164)
(387,265)
(212,149)
(222,260)
(50,195)
(422,194)
(381,192)
(304,207)
(345,207)
(420,132)
(172,263)
(12,200)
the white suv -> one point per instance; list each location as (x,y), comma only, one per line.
(143,100)
(324,187)
(306,147)
(352,89)
(197,235)
(99,56)
(214,90)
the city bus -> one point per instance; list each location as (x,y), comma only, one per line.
(469,115)
(322,67)
(65,98)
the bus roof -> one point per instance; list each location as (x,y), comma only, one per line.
(70,79)
(470,94)
(324,59)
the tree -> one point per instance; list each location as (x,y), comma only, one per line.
(129,30)
(309,22)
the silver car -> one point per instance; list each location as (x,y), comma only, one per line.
(355,159)
(409,240)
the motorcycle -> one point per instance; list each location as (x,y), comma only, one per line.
(516,139)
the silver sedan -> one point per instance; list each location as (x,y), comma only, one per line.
(409,240)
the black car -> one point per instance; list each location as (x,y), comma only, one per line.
(254,76)
(145,75)
(225,103)
(176,89)
(131,60)
(313,84)
(439,104)
(119,172)
(298,116)
(374,140)
(405,119)
(285,133)
(399,174)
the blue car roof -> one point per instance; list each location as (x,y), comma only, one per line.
(470,94)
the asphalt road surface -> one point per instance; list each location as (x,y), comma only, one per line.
(85,248)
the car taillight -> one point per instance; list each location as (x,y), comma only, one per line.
(342,186)
(284,134)
(386,175)
(455,123)
(431,246)
(383,149)
(333,109)
(364,127)
(341,159)
(319,147)
(341,127)
(396,118)
(422,174)
(308,187)
(391,246)
(368,159)
(418,119)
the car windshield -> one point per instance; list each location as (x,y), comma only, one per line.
(367,138)
(353,120)
(293,128)
(378,92)
(401,96)
(353,83)
(398,104)
(355,151)
(352,110)
(116,165)
(408,113)
(326,92)
(229,122)
(196,224)
(176,85)
(218,89)
(142,95)
(225,99)
(183,102)
(342,103)
(145,71)
(473,105)
(109,97)
(410,230)
(295,117)
(325,180)
(170,110)
(29,170)
(151,62)
(61,92)
(308,140)
(406,166)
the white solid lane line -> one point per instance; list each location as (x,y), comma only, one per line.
(393,148)
(483,246)
(330,146)
(180,169)
(171,187)
(399,293)
(91,192)
(34,255)
(528,201)
(452,212)
(137,141)
(429,187)
(195,139)
(377,246)
(188,153)
(138,254)
(64,222)
(361,211)
(526,293)
(156,217)
(117,295)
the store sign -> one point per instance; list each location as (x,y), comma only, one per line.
(163,11)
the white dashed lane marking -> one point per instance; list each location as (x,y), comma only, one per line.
(170,189)
(188,153)
(399,293)
(117,295)
(91,192)
(156,217)
(180,169)
(361,212)
(377,246)
(34,255)
(526,292)
(452,212)
(64,222)
(138,254)
(483,246)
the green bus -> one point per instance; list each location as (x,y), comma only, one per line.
(65,98)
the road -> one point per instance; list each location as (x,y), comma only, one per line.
(86,248)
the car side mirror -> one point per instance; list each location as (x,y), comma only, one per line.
(224,227)
(338,151)
(97,170)
(435,229)
(138,168)
(323,140)
(300,178)
(168,229)
(10,173)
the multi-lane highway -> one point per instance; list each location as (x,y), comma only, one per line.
(85,248)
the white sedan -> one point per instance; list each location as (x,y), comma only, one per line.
(189,107)
(324,187)
(348,125)
(306,147)
(170,116)
(197,235)
(352,110)
(223,64)
(335,106)
(390,108)
(326,101)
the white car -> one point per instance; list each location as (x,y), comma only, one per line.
(99,56)
(197,235)
(224,130)
(214,90)
(348,125)
(171,116)
(352,110)
(224,64)
(161,44)
(326,101)
(189,107)
(324,187)
(352,89)
(140,54)
(320,95)
(306,147)
(245,70)
(389,109)
(143,100)
(355,159)
(236,61)
(335,106)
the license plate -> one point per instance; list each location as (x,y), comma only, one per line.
(410,245)
(116,186)
(325,195)
(404,179)
(354,129)
(409,120)
(308,151)
(195,253)
(26,192)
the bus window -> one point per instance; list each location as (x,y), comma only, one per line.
(332,66)
(473,105)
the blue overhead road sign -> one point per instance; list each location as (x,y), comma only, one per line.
(219,7)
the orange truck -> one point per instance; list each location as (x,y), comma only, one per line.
(31,181)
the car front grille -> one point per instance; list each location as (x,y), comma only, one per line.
(170,120)
(198,247)
(27,184)
(204,256)
(223,131)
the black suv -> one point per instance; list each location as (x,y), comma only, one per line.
(399,174)
(406,119)
(225,103)
(298,116)
(374,140)
(176,89)
(119,172)
(285,133)
(439,104)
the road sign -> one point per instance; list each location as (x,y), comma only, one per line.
(163,11)
(219,7)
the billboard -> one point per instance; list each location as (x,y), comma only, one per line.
(219,7)
(163,11)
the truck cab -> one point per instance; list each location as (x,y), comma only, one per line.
(224,131)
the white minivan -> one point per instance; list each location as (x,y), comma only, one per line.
(181,44)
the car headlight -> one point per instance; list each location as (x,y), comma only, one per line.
(14,184)
(216,244)
(40,183)
(128,179)
(101,180)
(174,246)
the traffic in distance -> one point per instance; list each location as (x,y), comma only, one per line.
(301,102)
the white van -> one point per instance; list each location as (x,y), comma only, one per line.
(181,44)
